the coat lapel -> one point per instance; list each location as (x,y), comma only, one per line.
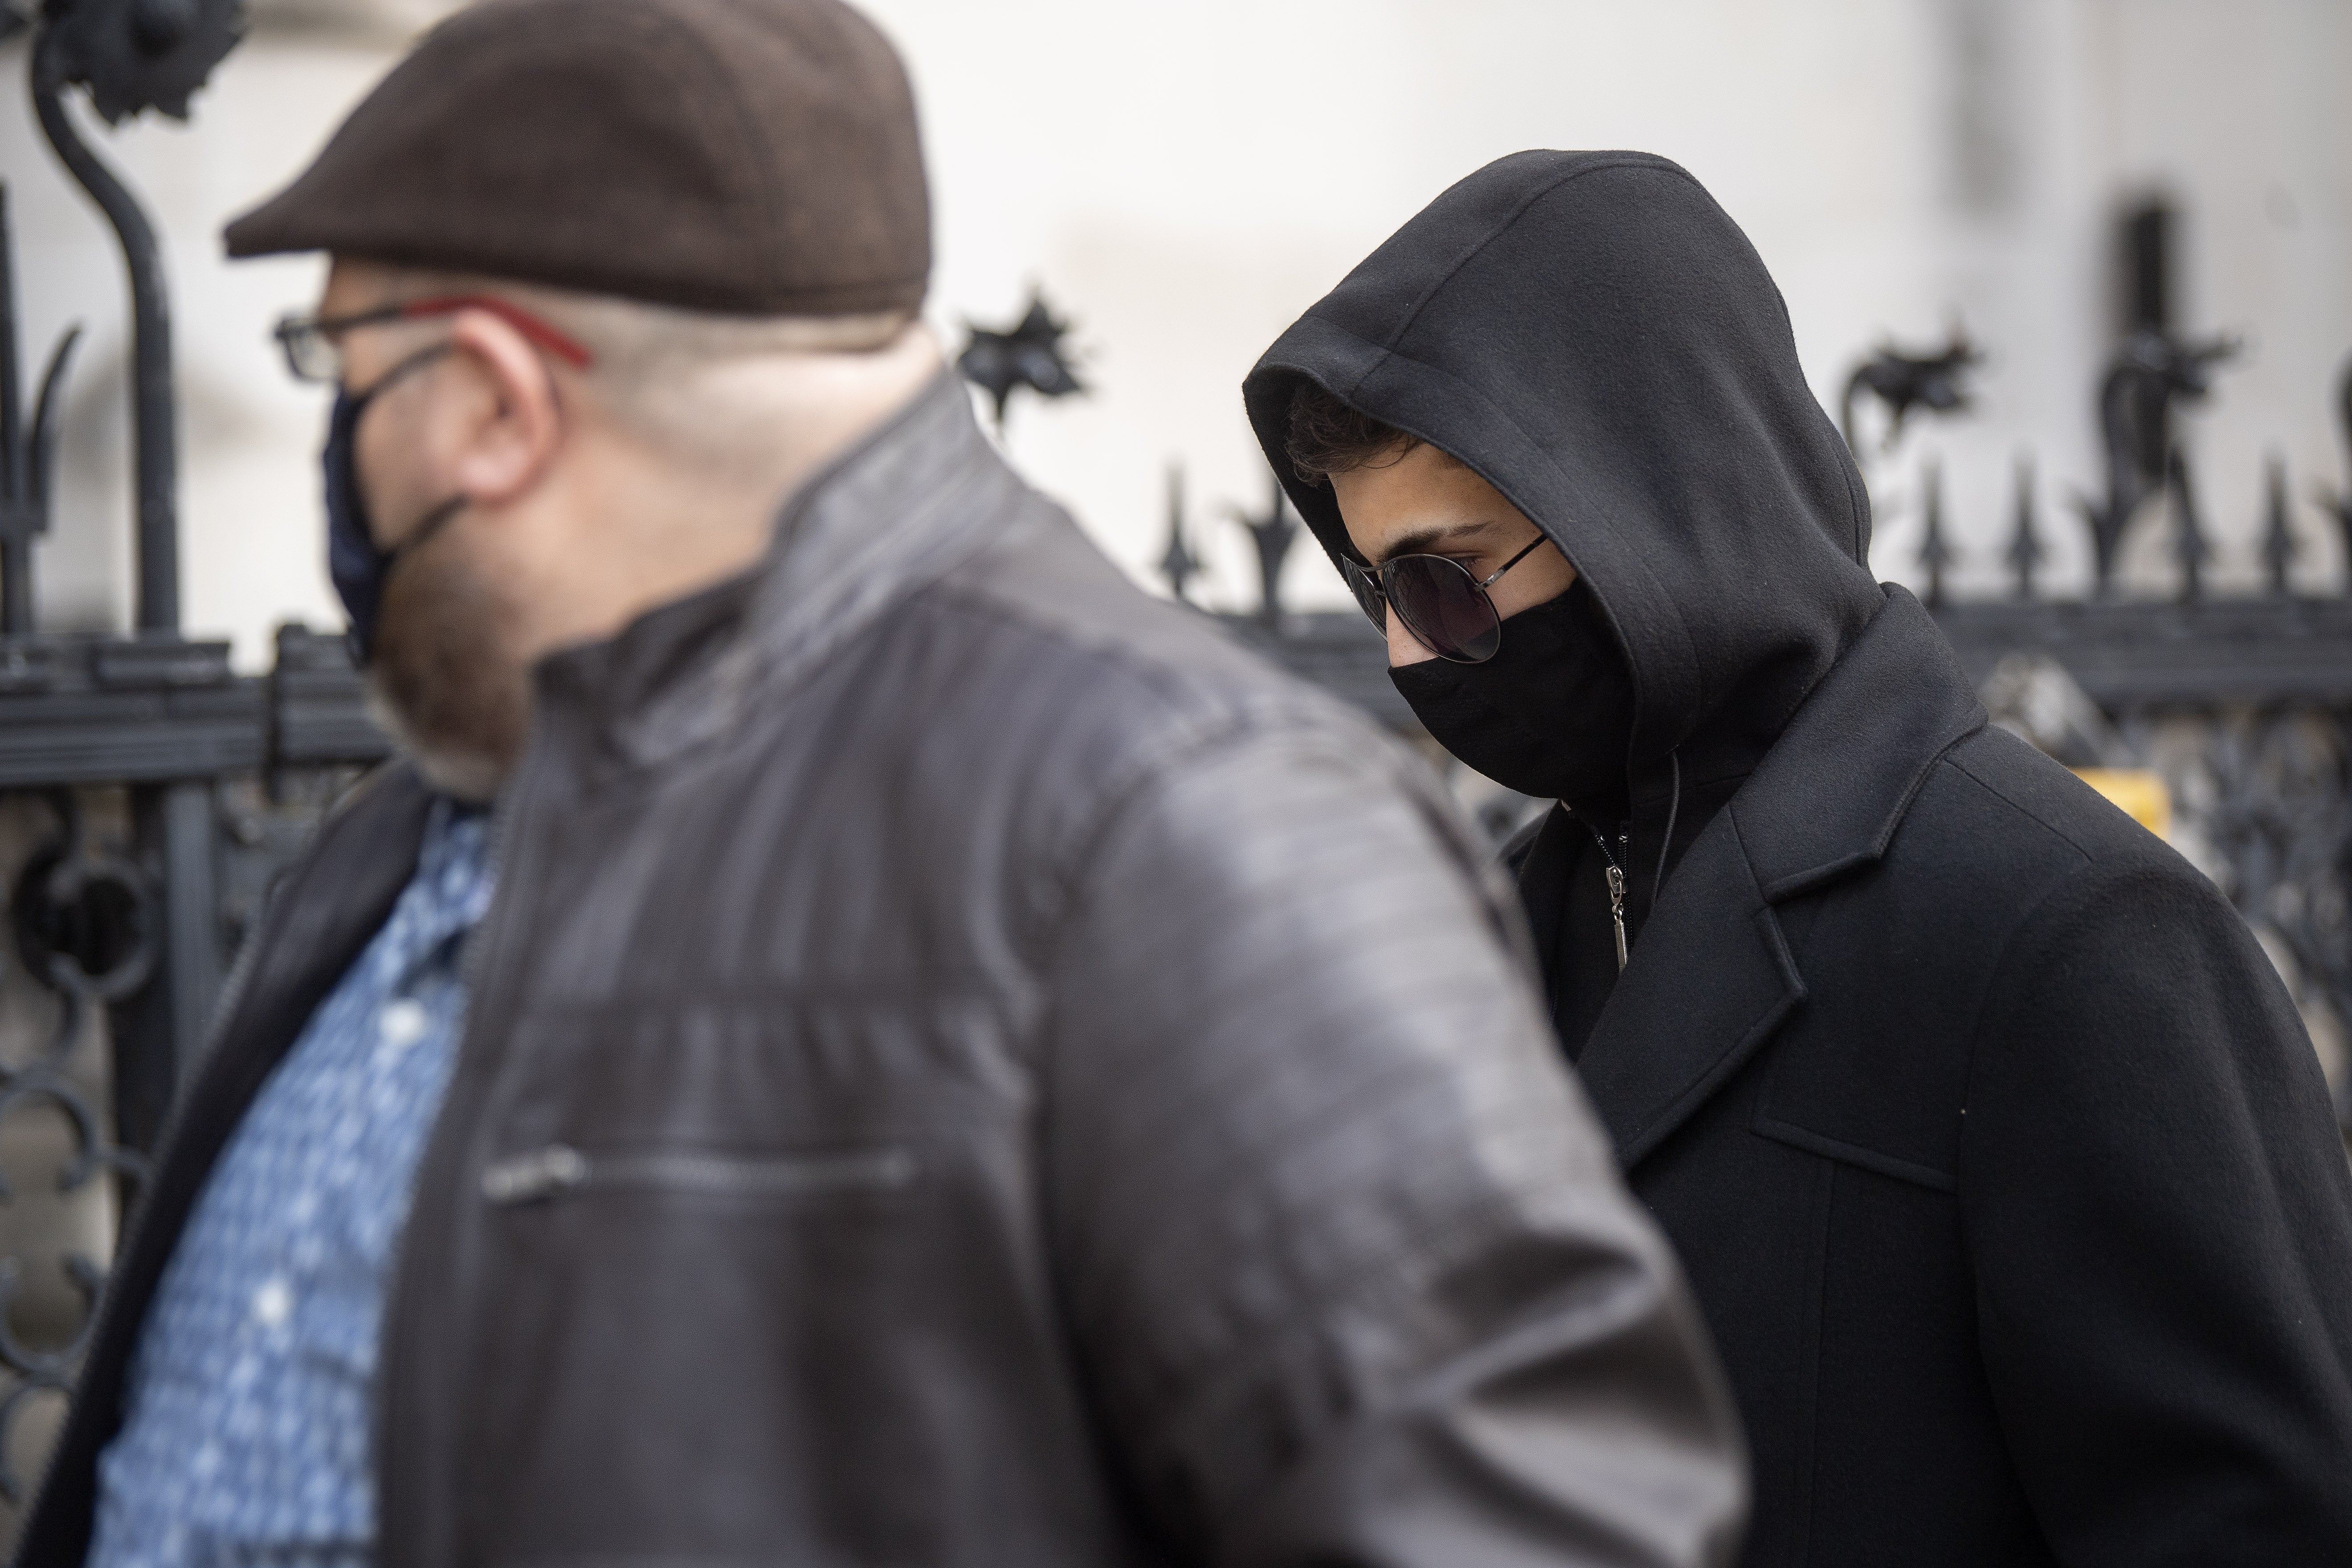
(1712,977)
(1710,981)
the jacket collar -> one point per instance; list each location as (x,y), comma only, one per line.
(1712,976)
(919,494)
(1827,799)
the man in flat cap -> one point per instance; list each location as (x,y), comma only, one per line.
(854,1035)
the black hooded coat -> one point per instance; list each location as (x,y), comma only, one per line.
(1993,1145)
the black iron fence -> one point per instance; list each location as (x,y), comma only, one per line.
(148,793)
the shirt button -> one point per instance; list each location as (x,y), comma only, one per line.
(404,1023)
(272,1304)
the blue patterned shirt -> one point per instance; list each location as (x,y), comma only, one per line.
(248,1411)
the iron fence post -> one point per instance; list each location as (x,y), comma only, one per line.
(154,437)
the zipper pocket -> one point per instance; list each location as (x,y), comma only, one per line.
(560,1170)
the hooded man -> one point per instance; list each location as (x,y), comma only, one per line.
(909,1065)
(1995,1152)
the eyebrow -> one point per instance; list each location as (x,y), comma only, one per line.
(1418,541)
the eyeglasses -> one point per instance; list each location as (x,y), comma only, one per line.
(314,348)
(1444,607)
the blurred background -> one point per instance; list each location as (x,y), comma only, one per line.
(1182,180)
(2099,251)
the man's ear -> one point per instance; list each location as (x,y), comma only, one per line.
(504,431)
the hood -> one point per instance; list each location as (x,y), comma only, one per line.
(1595,337)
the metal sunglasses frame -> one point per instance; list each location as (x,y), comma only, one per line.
(1370,585)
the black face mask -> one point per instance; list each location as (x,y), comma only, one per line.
(1550,715)
(355,562)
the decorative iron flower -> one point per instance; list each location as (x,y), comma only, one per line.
(1030,354)
(137,55)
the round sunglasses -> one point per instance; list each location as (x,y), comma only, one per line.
(1446,609)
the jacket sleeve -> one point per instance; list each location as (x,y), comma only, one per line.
(1344,1250)
(2158,1211)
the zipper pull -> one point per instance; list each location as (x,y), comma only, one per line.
(1617,910)
(542,1173)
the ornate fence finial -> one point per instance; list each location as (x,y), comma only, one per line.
(2338,505)
(140,54)
(1177,563)
(1936,382)
(2151,374)
(2026,552)
(1273,532)
(1029,353)
(2280,546)
(1936,553)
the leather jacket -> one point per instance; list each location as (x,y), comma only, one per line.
(965,1065)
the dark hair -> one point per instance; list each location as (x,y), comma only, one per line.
(1329,438)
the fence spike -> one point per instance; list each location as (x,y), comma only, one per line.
(1177,563)
(2190,547)
(2280,546)
(1273,532)
(1936,552)
(2026,552)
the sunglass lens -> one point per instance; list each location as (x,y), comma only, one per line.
(1441,606)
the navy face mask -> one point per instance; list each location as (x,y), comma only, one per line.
(354,561)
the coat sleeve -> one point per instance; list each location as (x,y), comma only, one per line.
(1344,1251)
(2158,1207)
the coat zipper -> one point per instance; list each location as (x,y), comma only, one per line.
(1616,874)
(559,1170)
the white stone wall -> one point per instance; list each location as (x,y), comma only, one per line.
(1184,178)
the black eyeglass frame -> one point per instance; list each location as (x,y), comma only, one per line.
(1375,595)
(314,354)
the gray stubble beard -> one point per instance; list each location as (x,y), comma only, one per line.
(445,679)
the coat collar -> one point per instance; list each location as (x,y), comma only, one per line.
(1827,799)
(1712,976)
(899,511)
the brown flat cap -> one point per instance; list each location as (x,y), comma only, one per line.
(753,157)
